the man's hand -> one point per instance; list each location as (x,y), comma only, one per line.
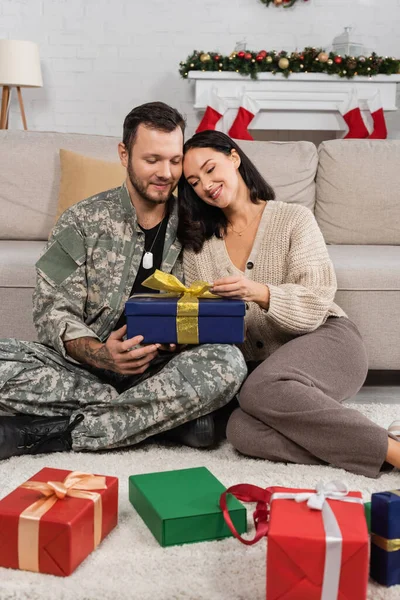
(116,354)
(241,287)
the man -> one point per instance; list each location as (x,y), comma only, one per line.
(86,387)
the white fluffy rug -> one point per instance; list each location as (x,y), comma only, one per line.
(130,565)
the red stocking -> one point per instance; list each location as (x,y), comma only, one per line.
(246,113)
(375,106)
(214,112)
(353,117)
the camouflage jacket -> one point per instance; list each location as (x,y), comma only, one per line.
(88,268)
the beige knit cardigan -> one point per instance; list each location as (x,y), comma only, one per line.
(290,257)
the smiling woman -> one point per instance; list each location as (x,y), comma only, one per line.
(304,355)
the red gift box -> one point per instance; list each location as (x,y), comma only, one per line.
(52,522)
(318,545)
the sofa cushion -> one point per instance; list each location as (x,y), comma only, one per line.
(17,263)
(16,305)
(289,167)
(30,177)
(374,313)
(369,292)
(369,268)
(83,176)
(358,191)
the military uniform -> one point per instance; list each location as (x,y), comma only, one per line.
(84,278)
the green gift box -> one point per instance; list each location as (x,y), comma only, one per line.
(182,506)
(367,509)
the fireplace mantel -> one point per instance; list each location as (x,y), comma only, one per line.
(307,101)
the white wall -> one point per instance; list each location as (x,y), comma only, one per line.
(102,57)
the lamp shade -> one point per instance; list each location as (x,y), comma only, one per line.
(20,64)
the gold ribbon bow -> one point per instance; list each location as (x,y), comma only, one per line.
(385,544)
(75,485)
(187,318)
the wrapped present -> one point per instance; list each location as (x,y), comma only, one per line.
(184,315)
(318,545)
(385,537)
(182,506)
(53,521)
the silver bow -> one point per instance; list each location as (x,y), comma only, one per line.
(334,490)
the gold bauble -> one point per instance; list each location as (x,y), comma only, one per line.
(330,61)
(323,57)
(283,63)
(269,59)
(278,2)
(205,57)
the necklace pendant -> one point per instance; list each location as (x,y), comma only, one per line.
(148,260)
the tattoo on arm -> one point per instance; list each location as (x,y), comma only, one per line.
(90,351)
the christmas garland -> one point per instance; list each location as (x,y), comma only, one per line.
(310,60)
(284,3)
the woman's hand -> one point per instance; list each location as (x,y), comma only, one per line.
(239,286)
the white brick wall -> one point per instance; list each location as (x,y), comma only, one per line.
(102,57)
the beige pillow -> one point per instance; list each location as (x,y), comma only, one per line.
(358,192)
(289,167)
(83,176)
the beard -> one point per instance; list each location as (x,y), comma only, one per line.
(141,189)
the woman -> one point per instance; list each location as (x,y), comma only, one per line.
(305,356)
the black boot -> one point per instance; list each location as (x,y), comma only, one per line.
(33,435)
(199,433)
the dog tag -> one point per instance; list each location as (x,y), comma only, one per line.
(148,260)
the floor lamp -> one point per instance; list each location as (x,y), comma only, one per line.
(19,67)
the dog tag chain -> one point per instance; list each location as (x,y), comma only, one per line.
(148,254)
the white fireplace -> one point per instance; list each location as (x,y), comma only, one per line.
(302,102)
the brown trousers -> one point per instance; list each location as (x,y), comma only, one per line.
(291,405)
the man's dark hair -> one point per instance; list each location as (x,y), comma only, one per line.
(199,221)
(155,115)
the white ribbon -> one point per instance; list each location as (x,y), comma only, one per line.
(333,490)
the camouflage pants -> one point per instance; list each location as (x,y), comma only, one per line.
(36,380)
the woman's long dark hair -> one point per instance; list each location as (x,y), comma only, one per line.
(198,221)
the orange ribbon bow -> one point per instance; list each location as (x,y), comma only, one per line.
(75,485)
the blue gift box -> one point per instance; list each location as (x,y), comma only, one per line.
(385,537)
(220,321)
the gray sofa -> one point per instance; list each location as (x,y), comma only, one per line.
(352,186)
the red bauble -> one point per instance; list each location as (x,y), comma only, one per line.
(217,57)
(338,60)
(259,58)
(241,54)
(301,56)
(262,53)
(247,56)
